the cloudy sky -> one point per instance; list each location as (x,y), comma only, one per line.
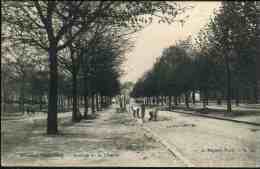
(150,42)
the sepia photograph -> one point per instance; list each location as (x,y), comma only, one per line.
(130,83)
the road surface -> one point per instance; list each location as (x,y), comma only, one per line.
(209,142)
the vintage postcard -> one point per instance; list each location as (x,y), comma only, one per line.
(130,83)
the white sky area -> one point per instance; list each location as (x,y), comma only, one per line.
(150,42)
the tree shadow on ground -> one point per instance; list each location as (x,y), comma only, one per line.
(78,138)
(67,134)
(131,143)
(91,116)
(93,143)
(161,118)
(119,120)
(47,147)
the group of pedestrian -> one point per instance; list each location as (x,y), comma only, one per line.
(138,112)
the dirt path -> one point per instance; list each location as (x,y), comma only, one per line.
(112,139)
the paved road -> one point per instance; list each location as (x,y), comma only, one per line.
(209,142)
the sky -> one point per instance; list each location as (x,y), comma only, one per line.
(150,42)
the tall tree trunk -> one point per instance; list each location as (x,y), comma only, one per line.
(170,102)
(86,91)
(62,103)
(78,107)
(110,100)
(58,103)
(22,94)
(40,101)
(255,93)
(248,95)
(204,100)
(92,103)
(193,97)
(86,106)
(219,96)
(175,101)
(68,103)
(82,100)
(97,102)
(120,101)
(237,97)
(52,126)
(163,100)
(228,85)
(106,101)
(228,52)
(32,100)
(3,95)
(124,102)
(179,99)
(74,95)
(103,102)
(186,95)
(258,52)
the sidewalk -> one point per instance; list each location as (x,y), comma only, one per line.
(253,120)
(241,114)
(112,139)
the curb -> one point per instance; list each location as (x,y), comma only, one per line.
(169,147)
(214,117)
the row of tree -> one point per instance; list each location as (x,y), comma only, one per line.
(75,41)
(219,63)
(25,77)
